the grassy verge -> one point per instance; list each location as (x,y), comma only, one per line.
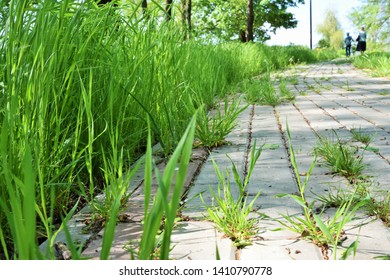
(378,63)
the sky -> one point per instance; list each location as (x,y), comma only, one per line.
(301,34)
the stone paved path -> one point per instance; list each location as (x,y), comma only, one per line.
(329,97)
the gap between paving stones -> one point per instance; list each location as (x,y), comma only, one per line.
(196,238)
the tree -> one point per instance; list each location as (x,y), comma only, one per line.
(250,21)
(186,12)
(245,20)
(323,44)
(375,16)
(331,31)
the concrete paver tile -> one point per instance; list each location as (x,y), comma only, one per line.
(200,241)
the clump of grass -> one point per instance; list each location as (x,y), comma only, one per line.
(340,157)
(376,203)
(313,87)
(167,199)
(262,91)
(336,197)
(348,87)
(311,226)
(380,207)
(230,214)
(359,135)
(293,80)
(212,129)
(377,62)
(285,91)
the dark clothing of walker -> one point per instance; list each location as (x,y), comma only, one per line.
(361,39)
(348,43)
(361,46)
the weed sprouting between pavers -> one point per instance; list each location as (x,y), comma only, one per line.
(311,226)
(377,200)
(359,135)
(343,159)
(167,199)
(285,92)
(262,91)
(230,214)
(211,130)
(348,87)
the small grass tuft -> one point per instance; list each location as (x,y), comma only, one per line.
(340,157)
(359,135)
(212,129)
(230,214)
(285,92)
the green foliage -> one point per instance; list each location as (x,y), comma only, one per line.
(377,202)
(374,15)
(331,31)
(341,158)
(311,226)
(230,214)
(359,135)
(213,127)
(379,207)
(377,62)
(214,18)
(261,91)
(285,92)
(323,44)
(166,201)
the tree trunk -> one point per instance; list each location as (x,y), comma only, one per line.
(183,8)
(186,6)
(168,9)
(250,21)
(189,13)
(242,36)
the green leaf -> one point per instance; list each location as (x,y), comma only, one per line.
(271,146)
(323,227)
(350,250)
(372,149)
(299,200)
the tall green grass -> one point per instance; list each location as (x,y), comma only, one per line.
(77,86)
(377,62)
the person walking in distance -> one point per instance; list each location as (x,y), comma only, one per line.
(361,39)
(348,42)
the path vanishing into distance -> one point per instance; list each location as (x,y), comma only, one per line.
(332,98)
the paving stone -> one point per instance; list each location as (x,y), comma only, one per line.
(373,237)
(126,237)
(281,250)
(200,241)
